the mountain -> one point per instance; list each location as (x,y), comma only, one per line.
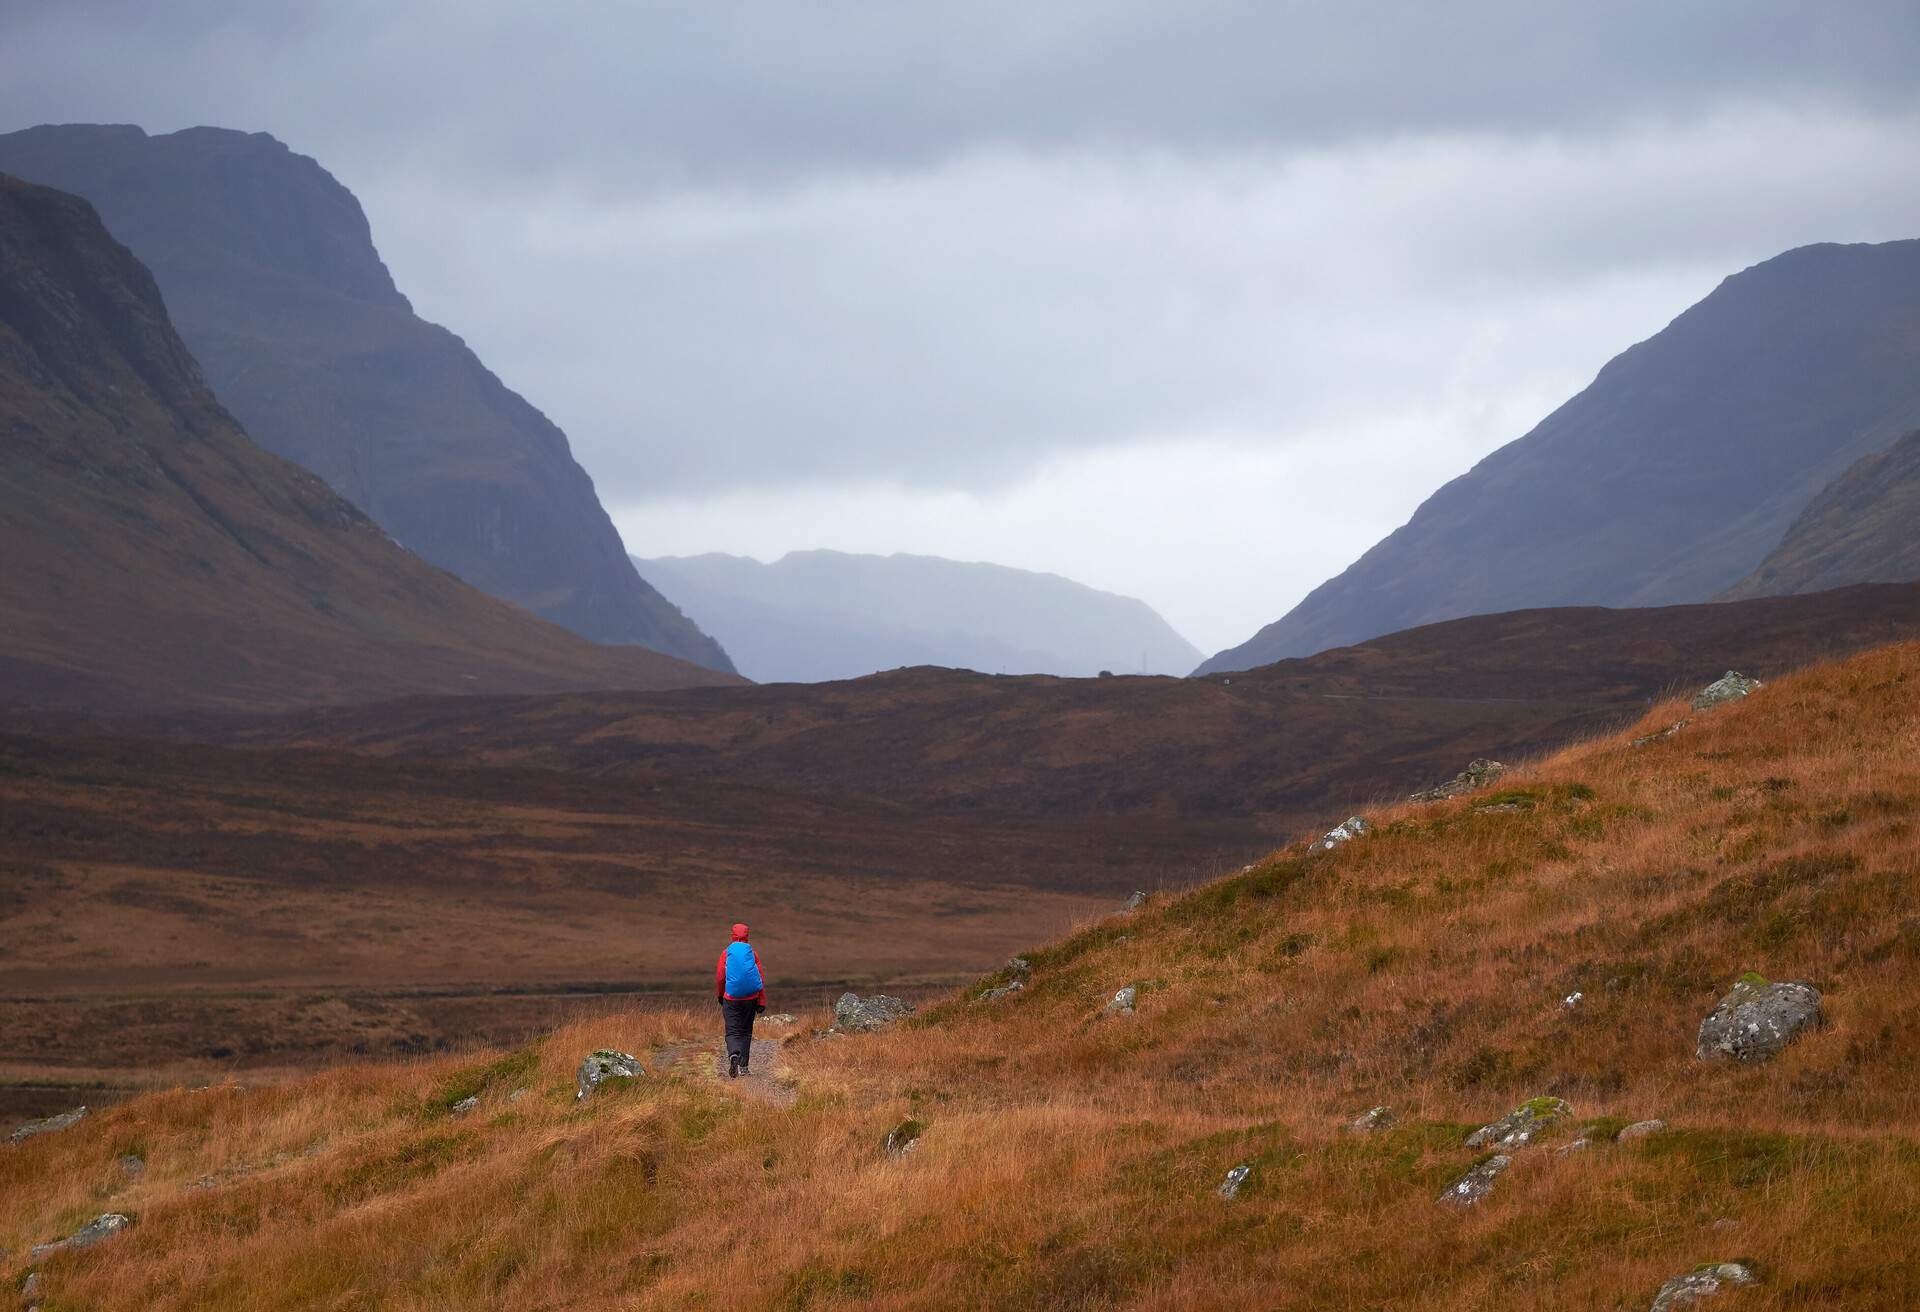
(1670,477)
(271,276)
(817,615)
(151,556)
(1863,528)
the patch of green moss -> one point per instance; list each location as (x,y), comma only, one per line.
(1752,979)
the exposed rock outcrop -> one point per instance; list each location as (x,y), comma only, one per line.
(1640,1130)
(1713,1278)
(1230,1187)
(1477,1183)
(860,1015)
(1478,774)
(101,1227)
(1344,832)
(1521,1126)
(1729,687)
(1757,1019)
(1377,1118)
(602,1065)
(48,1125)
(1121,1004)
(905,1137)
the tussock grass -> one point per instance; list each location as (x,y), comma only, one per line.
(1071,1161)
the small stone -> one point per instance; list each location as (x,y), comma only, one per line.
(993,994)
(1477,1183)
(1346,831)
(30,1287)
(1121,1003)
(1137,901)
(49,1125)
(464,1106)
(1571,1147)
(1019,967)
(1756,1020)
(1372,1120)
(1478,774)
(1230,1187)
(1667,732)
(779,1018)
(1521,1126)
(101,1227)
(1571,1001)
(1713,1278)
(905,1137)
(602,1065)
(861,1015)
(132,1166)
(1729,687)
(518,1094)
(1640,1130)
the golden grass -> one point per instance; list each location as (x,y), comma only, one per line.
(1071,1161)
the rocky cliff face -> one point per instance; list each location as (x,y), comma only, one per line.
(1864,527)
(152,557)
(271,276)
(1670,477)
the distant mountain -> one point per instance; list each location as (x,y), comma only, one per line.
(816,615)
(271,276)
(153,558)
(1864,528)
(1670,477)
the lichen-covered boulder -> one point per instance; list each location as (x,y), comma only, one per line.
(859,1015)
(1121,1004)
(1344,832)
(604,1064)
(1521,1126)
(1757,1019)
(905,1137)
(1478,774)
(1640,1130)
(1230,1187)
(1729,687)
(1713,1278)
(101,1227)
(1372,1120)
(1477,1183)
(47,1126)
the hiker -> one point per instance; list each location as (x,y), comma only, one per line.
(743,995)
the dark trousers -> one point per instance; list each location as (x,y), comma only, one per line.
(740,1028)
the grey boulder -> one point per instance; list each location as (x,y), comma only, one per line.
(1121,1004)
(1371,1120)
(905,1137)
(859,1015)
(1713,1278)
(1640,1130)
(1757,1019)
(1477,1183)
(1521,1126)
(1729,687)
(1478,774)
(1137,901)
(49,1125)
(602,1065)
(1230,1187)
(101,1227)
(1345,832)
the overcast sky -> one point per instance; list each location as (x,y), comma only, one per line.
(1193,301)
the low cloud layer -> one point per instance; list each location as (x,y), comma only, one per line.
(1191,302)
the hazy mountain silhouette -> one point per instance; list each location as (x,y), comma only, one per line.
(1863,528)
(814,615)
(271,276)
(156,558)
(1670,477)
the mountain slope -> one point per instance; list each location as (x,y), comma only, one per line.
(1863,528)
(1070,1155)
(817,615)
(152,556)
(1670,477)
(271,276)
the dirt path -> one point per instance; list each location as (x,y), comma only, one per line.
(758,1083)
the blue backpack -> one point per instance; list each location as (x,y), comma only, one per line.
(743,972)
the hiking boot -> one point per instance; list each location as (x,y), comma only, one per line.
(733,1065)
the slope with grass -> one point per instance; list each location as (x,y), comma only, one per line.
(270,272)
(151,556)
(1864,528)
(1071,1160)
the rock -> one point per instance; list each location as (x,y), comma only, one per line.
(992,995)
(1477,1183)
(1667,732)
(1757,1019)
(779,1018)
(1640,1130)
(1230,1187)
(1684,1291)
(1121,1003)
(1137,901)
(1478,774)
(1573,1146)
(101,1227)
(905,1137)
(602,1065)
(518,1094)
(1350,828)
(132,1166)
(860,1015)
(1729,687)
(464,1106)
(30,1287)
(48,1126)
(1377,1118)
(1521,1126)
(1019,968)
(1571,1001)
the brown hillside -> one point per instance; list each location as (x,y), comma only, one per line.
(155,557)
(1066,1159)
(1864,528)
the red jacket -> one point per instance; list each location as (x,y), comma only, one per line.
(720,977)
